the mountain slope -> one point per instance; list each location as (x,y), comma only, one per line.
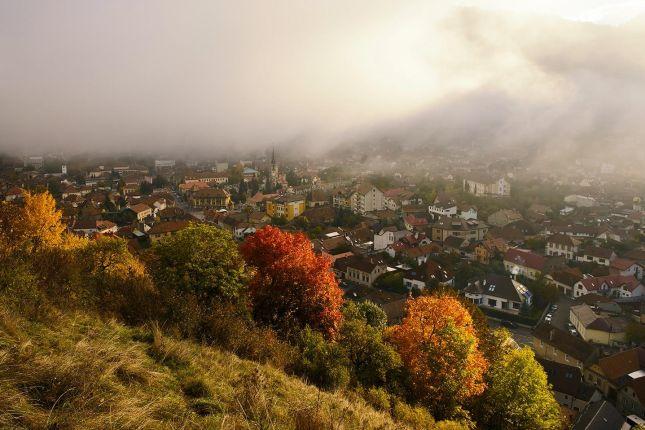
(80,372)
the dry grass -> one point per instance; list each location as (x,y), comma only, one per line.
(84,373)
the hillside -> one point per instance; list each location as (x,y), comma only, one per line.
(79,372)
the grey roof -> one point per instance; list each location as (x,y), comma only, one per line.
(497,286)
(599,416)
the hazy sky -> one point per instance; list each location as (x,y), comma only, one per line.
(147,74)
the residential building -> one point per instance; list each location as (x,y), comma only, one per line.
(610,286)
(141,210)
(367,198)
(611,374)
(443,206)
(467,212)
(88,227)
(554,344)
(626,267)
(387,236)
(596,329)
(562,245)
(288,207)
(211,198)
(565,280)
(498,292)
(600,415)
(414,223)
(429,274)
(207,178)
(524,263)
(568,385)
(166,228)
(472,229)
(594,254)
(362,270)
(484,185)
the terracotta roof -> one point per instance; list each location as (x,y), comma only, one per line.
(621,263)
(562,239)
(167,227)
(566,277)
(363,264)
(140,207)
(598,252)
(623,363)
(525,258)
(629,283)
(211,193)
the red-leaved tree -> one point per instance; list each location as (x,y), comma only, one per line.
(292,286)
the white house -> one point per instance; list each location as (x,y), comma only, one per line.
(387,236)
(498,292)
(612,285)
(367,198)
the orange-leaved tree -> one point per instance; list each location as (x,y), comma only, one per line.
(292,286)
(35,225)
(439,348)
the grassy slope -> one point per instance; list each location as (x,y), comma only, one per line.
(80,372)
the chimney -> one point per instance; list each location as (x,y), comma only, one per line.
(551,334)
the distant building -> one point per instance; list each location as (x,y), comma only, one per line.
(484,185)
(36,162)
(288,207)
(524,263)
(465,229)
(367,198)
(164,165)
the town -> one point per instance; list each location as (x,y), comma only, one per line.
(557,258)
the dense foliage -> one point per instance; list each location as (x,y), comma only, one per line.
(292,287)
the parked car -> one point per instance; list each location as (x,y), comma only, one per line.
(554,307)
(573,331)
(509,324)
(547,318)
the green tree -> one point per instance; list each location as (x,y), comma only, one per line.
(372,359)
(146,188)
(201,263)
(635,332)
(518,394)
(323,362)
(370,312)
(292,179)
(160,182)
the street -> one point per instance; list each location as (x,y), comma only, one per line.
(521,335)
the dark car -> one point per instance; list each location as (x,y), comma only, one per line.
(509,324)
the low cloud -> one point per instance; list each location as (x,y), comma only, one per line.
(207,76)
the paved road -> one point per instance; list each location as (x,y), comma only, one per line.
(561,316)
(521,335)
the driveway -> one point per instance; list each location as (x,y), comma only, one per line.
(561,316)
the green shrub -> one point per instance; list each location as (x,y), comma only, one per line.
(322,362)
(377,397)
(416,417)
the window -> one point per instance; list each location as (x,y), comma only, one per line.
(492,303)
(566,357)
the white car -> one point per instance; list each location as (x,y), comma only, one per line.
(573,332)
(547,318)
